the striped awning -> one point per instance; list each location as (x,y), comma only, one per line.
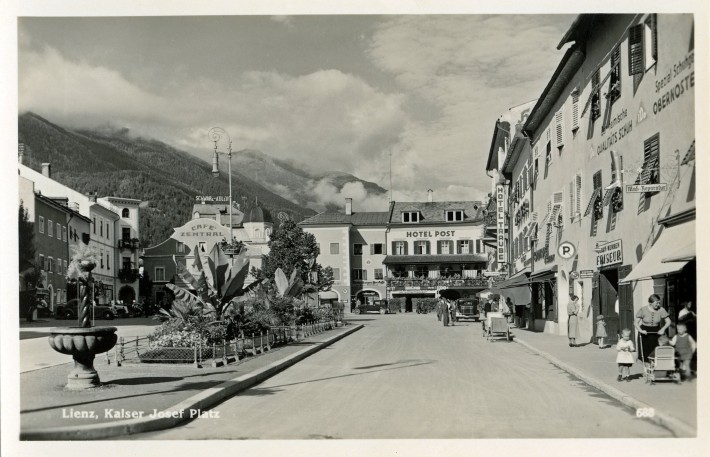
(690,155)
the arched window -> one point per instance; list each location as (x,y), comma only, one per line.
(125,213)
(257,233)
(267,232)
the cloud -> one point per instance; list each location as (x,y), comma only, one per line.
(453,76)
(463,72)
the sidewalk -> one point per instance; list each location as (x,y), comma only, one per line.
(131,393)
(675,405)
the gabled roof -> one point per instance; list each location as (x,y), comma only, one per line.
(357,219)
(436,211)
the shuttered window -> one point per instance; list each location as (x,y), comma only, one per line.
(650,42)
(399,247)
(559,131)
(615,77)
(575,110)
(596,102)
(651,160)
(636,51)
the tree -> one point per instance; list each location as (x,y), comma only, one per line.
(145,285)
(26,240)
(325,277)
(290,248)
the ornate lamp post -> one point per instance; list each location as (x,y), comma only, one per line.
(215,134)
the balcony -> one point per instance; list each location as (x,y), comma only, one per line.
(129,243)
(128,275)
(435,283)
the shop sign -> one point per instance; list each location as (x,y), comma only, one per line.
(212,198)
(641,188)
(500,223)
(679,80)
(430,233)
(586,274)
(609,254)
(201,230)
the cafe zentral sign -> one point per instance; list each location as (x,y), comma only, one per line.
(609,254)
(201,230)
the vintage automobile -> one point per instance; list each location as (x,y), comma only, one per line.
(378,306)
(70,310)
(467,308)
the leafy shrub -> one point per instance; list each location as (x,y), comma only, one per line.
(424,304)
(397,303)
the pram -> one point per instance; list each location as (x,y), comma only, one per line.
(662,365)
(496,325)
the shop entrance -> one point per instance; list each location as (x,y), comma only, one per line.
(606,292)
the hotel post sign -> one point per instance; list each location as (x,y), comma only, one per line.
(500,224)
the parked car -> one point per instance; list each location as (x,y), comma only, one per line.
(467,308)
(70,310)
(378,306)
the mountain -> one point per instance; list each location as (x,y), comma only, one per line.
(117,164)
(289,179)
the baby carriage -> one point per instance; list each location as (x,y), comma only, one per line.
(662,366)
(496,325)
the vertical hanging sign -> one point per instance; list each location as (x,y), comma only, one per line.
(500,224)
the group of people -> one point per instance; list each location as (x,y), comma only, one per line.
(652,322)
(446,311)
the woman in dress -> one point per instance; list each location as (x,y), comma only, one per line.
(572,323)
(651,322)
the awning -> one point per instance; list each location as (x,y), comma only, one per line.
(435,259)
(663,258)
(544,274)
(328,295)
(518,279)
(518,295)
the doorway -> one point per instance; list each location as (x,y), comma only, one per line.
(607,295)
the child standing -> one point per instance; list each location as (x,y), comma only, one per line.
(624,356)
(685,346)
(601,331)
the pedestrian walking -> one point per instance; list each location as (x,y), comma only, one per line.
(624,356)
(687,316)
(685,346)
(601,331)
(445,314)
(451,307)
(651,322)
(573,309)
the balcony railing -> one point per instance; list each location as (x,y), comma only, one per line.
(126,243)
(435,283)
(128,275)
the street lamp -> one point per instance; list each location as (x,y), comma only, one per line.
(215,134)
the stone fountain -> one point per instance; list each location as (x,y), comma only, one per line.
(83,342)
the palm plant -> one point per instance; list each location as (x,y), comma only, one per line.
(217,285)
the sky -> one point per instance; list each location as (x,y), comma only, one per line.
(332,93)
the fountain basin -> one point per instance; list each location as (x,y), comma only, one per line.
(82,343)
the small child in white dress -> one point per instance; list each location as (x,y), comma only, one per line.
(624,356)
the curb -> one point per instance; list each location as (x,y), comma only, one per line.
(180,413)
(679,428)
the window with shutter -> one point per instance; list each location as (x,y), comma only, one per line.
(636,51)
(651,163)
(596,102)
(615,76)
(650,42)
(578,195)
(575,110)
(559,136)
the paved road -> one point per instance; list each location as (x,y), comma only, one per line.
(407,376)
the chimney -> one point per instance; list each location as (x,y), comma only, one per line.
(430,195)
(92,197)
(348,206)
(21,152)
(47,169)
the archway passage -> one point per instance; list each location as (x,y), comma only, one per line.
(368,296)
(127,294)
